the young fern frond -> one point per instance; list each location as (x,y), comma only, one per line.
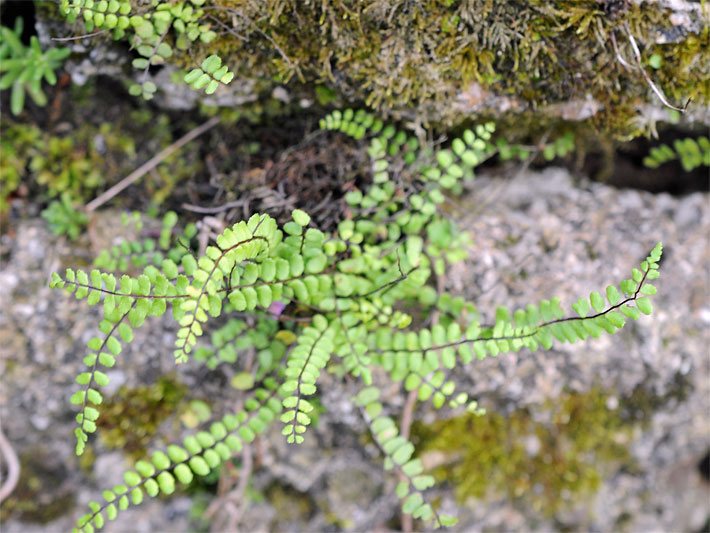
(209,75)
(244,241)
(154,34)
(148,251)
(103,353)
(416,357)
(99,14)
(237,336)
(126,306)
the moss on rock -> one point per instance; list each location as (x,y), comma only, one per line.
(435,60)
(548,457)
(131,418)
(43,493)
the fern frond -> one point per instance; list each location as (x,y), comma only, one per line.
(99,14)
(103,354)
(149,251)
(197,456)
(398,452)
(304,364)
(150,291)
(244,241)
(209,75)
(692,153)
(402,354)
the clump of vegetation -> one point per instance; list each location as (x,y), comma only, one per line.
(15,145)
(24,67)
(344,301)
(54,164)
(48,164)
(548,461)
(65,218)
(692,153)
(436,60)
(155,34)
(440,58)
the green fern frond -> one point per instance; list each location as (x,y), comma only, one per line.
(103,354)
(197,456)
(313,349)
(209,75)
(244,241)
(416,357)
(398,452)
(692,154)
(111,15)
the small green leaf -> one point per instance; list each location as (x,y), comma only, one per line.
(183,474)
(597,301)
(166,482)
(300,217)
(242,381)
(644,305)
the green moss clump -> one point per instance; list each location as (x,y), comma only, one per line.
(75,163)
(41,494)
(423,58)
(292,507)
(131,418)
(89,157)
(548,463)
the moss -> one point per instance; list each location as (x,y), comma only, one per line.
(41,494)
(548,458)
(416,58)
(131,418)
(57,163)
(95,145)
(291,506)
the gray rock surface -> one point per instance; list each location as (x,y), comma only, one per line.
(534,237)
(543,235)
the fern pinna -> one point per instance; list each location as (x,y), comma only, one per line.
(349,297)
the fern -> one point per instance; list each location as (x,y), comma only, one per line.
(692,153)
(312,352)
(132,254)
(350,297)
(210,74)
(155,35)
(398,453)
(197,455)
(99,14)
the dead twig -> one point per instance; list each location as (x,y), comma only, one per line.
(151,164)
(639,66)
(78,37)
(212,210)
(13,467)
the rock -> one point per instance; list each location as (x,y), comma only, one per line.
(599,233)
